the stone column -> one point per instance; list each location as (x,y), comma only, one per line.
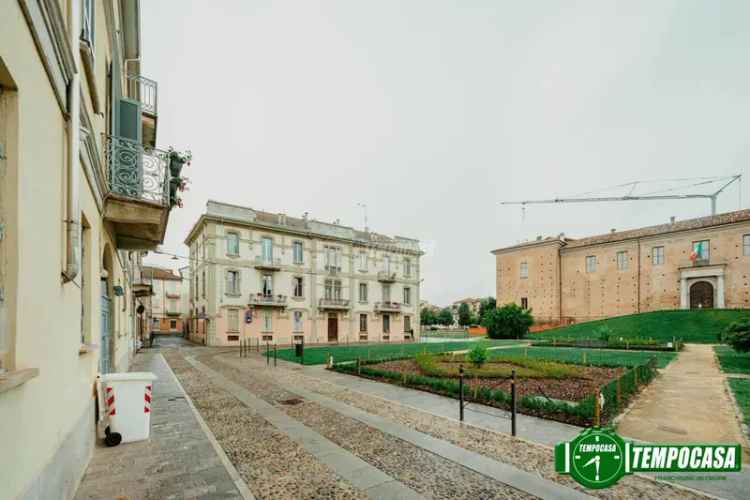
(684,294)
(720,291)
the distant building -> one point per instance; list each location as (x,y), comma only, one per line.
(281,279)
(166,306)
(696,263)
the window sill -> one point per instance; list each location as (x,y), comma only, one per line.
(233,255)
(11,380)
(298,299)
(87,348)
(233,294)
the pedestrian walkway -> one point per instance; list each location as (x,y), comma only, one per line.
(179,461)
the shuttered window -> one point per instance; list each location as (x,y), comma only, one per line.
(233,283)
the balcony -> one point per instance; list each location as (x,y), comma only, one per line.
(144,91)
(260,300)
(332,270)
(137,202)
(267,264)
(386,276)
(387,307)
(333,304)
(173,295)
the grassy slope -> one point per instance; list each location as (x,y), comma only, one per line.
(741,389)
(731,361)
(689,325)
(318,355)
(600,357)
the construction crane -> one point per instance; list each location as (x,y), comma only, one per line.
(724,182)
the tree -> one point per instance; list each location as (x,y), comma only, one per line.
(737,335)
(464,315)
(486,305)
(478,355)
(445,317)
(427,316)
(510,321)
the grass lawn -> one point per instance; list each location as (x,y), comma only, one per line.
(741,389)
(318,355)
(698,326)
(455,334)
(597,357)
(732,361)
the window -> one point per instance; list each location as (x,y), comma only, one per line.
(386,323)
(333,258)
(591,264)
(332,289)
(622,261)
(87,23)
(173,324)
(298,324)
(363,260)
(387,263)
(233,283)
(657,256)
(337,290)
(363,292)
(297,253)
(407,268)
(233,244)
(267,285)
(203,284)
(267,324)
(524,270)
(746,245)
(386,293)
(407,324)
(362,322)
(701,250)
(266,248)
(524,303)
(233,320)
(297,285)
(407,296)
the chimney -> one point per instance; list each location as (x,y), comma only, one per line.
(671,220)
(613,230)
(282,219)
(539,238)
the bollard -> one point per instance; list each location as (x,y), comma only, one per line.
(461,393)
(268,353)
(274,355)
(597,410)
(513,402)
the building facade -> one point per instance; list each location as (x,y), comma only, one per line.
(473,304)
(280,279)
(81,199)
(166,313)
(696,263)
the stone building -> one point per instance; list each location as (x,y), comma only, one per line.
(82,195)
(696,263)
(270,277)
(166,311)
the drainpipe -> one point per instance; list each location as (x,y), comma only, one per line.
(73,220)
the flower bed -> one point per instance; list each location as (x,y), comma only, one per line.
(635,343)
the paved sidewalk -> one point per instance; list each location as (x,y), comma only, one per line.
(179,461)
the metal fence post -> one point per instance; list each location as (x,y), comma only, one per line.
(268,353)
(274,355)
(513,402)
(597,410)
(461,393)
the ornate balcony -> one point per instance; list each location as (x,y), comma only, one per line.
(266,264)
(260,300)
(137,201)
(144,90)
(387,307)
(333,304)
(386,276)
(332,270)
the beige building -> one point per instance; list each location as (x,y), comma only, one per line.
(166,310)
(697,263)
(258,275)
(82,194)
(474,305)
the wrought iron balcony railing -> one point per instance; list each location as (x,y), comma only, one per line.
(137,171)
(387,306)
(259,299)
(144,90)
(267,262)
(334,303)
(332,270)
(386,276)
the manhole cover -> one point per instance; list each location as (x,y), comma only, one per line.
(673,430)
(291,402)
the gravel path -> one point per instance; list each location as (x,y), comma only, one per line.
(525,455)
(272,465)
(420,470)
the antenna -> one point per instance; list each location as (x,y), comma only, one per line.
(363,206)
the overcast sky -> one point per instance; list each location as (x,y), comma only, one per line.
(431,112)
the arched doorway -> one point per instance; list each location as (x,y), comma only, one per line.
(701,295)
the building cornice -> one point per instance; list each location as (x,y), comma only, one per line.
(530,244)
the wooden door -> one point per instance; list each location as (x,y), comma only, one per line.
(701,295)
(333,327)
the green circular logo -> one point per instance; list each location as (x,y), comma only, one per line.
(597,458)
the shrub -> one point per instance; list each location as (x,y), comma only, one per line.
(510,321)
(478,355)
(604,333)
(737,335)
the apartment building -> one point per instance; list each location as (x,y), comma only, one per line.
(281,279)
(474,305)
(84,193)
(695,263)
(166,311)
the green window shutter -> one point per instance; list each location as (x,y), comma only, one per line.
(130,119)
